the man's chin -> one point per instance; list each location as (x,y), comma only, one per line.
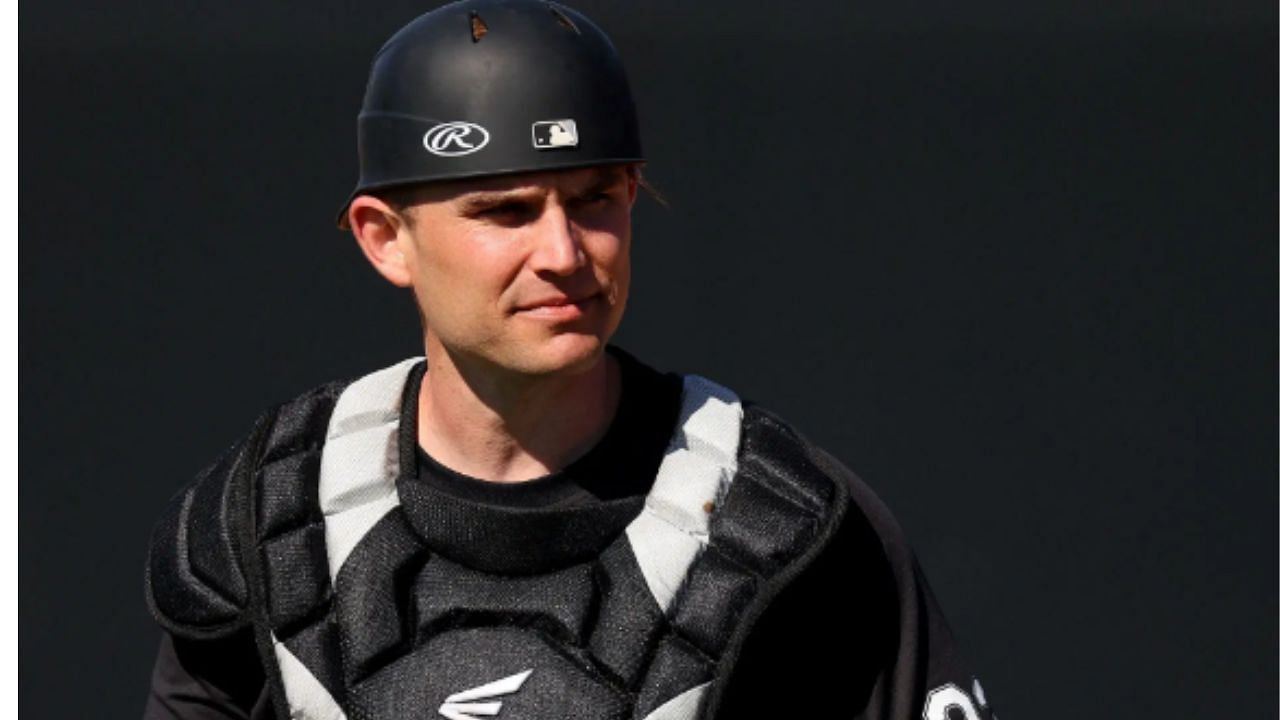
(564,354)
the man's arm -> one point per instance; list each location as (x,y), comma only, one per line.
(208,680)
(207,666)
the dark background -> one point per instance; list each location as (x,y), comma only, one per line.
(1014,262)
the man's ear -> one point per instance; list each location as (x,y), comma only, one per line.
(381,233)
(633,186)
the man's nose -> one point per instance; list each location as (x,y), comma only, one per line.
(559,244)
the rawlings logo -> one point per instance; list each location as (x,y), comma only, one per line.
(455,138)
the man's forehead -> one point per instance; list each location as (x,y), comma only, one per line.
(568,179)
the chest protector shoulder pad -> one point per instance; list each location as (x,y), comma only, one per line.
(369,598)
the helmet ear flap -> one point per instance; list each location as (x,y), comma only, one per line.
(527,86)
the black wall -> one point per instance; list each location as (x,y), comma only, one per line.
(1013,262)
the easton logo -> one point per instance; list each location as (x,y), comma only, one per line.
(455,138)
(467,705)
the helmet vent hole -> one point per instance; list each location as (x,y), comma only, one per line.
(564,20)
(478,27)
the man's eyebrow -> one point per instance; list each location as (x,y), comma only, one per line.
(482,199)
(603,181)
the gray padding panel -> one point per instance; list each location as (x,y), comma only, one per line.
(696,473)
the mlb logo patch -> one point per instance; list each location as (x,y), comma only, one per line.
(552,134)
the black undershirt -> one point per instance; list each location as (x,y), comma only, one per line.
(623,464)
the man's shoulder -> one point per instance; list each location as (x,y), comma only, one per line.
(771,442)
(301,422)
(775,453)
(196,583)
(863,541)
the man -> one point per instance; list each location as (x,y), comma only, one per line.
(529,523)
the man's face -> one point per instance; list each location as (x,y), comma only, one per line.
(528,273)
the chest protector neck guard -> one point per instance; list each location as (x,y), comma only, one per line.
(373,596)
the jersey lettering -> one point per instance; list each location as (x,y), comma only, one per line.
(945,701)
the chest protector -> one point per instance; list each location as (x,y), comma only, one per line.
(373,596)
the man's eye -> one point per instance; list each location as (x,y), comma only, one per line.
(507,212)
(598,198)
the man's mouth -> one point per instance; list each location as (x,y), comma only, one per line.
(558,307)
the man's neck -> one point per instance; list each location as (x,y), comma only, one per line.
(510,427)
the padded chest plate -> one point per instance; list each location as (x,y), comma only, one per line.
(372,610)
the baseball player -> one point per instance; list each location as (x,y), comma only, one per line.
(529,522)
